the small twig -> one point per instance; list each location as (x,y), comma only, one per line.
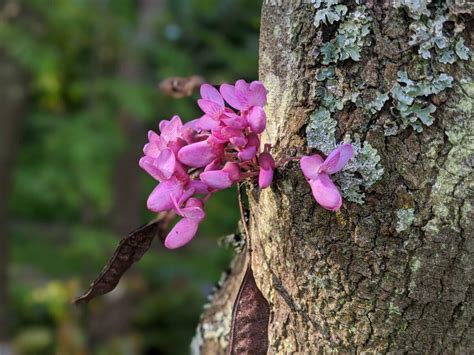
(244,218)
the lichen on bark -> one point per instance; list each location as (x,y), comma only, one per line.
(350,282)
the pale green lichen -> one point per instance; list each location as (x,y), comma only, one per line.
(415,8)
(405,218)
(328,11)
(377,104)
(321,130)
(325,73)
(409,106)
(427,32)
(361,172)
(350,38)
(461,50)
(415,265)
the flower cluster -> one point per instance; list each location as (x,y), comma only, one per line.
(194,160)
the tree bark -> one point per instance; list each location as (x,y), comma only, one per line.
(12,98)
(353,281)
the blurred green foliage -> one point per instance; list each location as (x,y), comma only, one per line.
(63,192)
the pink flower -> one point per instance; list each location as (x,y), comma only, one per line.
(185,230)
(257,119)
(160,160)
(317,171)
(221,179)
(244,96)
(161,198)
(197,155)
(250,150)
(162,167)
(267,164)
(207,154)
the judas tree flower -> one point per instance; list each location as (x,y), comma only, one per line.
(194,160)
(221,179)
(186,228)
(161,198)
(160,160)
(197,155)
(257,119)
(212,104)
(317,171)
(244,96)
(267,164)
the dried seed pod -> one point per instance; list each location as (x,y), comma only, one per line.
(130,250)
(178,87)
(250,317)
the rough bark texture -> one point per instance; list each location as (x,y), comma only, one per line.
(353,281)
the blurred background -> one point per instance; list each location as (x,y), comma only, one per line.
(78,92)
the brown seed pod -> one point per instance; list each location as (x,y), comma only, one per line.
(179,87)
(250,317)
(130,250)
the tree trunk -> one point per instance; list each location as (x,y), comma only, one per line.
(393,274)
(12,99)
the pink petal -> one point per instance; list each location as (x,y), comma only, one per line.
(191,124)
(162,125)
(248,153)
(198,186)
(326,193)
(258,96)
(153,136)
(160,198)
(238,141)
(194,202)
(235,121)
(208,92)
(213,165)
(266,161)
(231,132)
(337,159)
(210,108)
(253,140)
(166,163)
(257,119)
(216,179)
(242,93)
(185,196)
(176,145)
(196,155)
(151,150)
(180,173)
(182,233)
(228,93)
(310,165)
(194,212)
(265,178)
(267,165)
(148,164)
(233,170)
(208,123)
(172,130)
